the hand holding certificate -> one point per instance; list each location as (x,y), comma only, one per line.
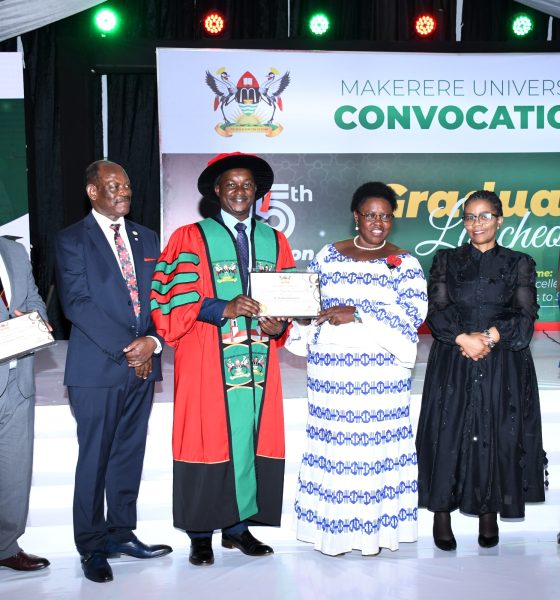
(286,294)
(22,335)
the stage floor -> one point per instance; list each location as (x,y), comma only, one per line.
(526,564)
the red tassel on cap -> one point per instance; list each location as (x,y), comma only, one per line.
(266,202)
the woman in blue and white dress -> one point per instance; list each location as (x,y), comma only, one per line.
(357,486)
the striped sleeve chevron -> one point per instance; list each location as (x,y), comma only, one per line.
(177,287)
(172,281)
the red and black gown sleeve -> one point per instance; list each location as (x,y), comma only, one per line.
(178,284)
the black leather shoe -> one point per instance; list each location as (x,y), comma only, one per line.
(96,568)
(246,543)
(488,541)
(24,562)
(137,549)
(201,552)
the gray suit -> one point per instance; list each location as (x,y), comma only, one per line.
(17,406)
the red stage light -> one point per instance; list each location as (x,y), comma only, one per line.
(425,25)
(214,23)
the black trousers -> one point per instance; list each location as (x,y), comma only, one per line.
(112,425)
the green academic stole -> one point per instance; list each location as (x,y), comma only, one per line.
(244,351)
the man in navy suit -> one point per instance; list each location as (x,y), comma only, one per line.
(18,295)
(104,270)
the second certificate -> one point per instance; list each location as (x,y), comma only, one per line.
(286,294)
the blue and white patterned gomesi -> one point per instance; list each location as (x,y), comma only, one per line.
(357,486)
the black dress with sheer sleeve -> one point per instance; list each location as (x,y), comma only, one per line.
(479,439)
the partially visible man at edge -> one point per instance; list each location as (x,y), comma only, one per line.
(228,430)
(18,295)
(104,269)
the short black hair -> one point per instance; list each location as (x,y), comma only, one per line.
(490,197)
(92,171)
(373,189)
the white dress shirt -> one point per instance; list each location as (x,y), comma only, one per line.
(230,222)
(105,224)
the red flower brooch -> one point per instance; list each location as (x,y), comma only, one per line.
(393,261)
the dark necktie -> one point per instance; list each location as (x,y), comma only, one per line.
(242,242)
(127,269)
(3,294)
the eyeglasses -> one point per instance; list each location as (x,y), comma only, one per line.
(483,217)
(385,217)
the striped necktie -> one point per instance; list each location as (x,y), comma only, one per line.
(3,294)
(127,268)
(242,243)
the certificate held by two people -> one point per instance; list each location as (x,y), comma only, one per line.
(286,294)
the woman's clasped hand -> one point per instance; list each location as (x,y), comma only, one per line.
(337,315)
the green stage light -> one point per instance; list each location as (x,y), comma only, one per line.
(522,25)
(319,24)
(106,21)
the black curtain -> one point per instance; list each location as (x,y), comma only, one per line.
(485,21)
(133,141)
(46,211)
(181,20)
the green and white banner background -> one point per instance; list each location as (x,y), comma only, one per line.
(14,217)
(434,126)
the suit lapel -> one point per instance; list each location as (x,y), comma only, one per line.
(137,248)
(103,249)
(143,273)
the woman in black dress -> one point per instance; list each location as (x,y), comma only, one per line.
(479,439)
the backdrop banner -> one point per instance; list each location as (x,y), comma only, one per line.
(433,126)
(14,217)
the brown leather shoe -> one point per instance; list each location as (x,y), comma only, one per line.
(24,562)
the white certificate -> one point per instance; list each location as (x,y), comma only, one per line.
(22,335)
(286,294)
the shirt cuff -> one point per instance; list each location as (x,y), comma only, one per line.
(158,344)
